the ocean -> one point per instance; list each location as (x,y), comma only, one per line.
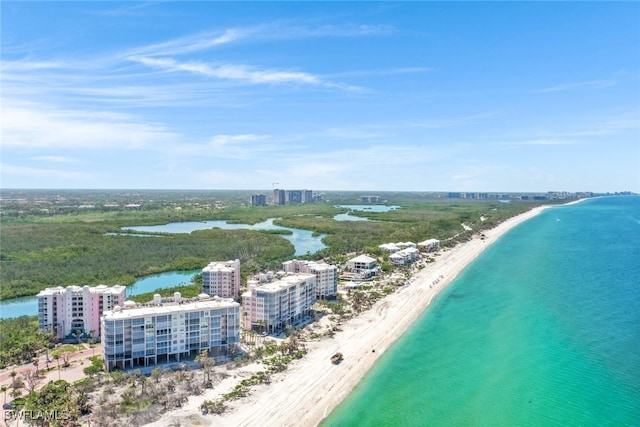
(543,329)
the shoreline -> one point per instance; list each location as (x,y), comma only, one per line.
(311,388)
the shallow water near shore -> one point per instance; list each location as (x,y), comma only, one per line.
(543,329)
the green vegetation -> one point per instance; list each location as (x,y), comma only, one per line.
(42,254)
(47,242)
(57,399)
(97,365)
(20,340)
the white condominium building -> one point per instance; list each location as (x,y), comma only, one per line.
(75,309)
(273,305)
(165,330)
(405,256)
(326,275)
(222,279)
(429,245)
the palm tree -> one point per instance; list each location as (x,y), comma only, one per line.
(16,385)
(156,374)
(4,389)
(207,363)
(56,356)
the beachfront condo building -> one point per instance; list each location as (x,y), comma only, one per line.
(430,245)
(362,267)
(271,306)
(75,310)
(167,330)
(395,247)
(222,279)
(326,275)
(405,256)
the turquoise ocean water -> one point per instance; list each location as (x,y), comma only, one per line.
(543,329)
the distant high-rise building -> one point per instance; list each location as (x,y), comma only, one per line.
(279,197)
(307,196)
(371,199)
(258,200)
(294,196)
(282,197)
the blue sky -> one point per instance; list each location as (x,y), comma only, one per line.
(424,96)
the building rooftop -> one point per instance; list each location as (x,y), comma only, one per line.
(100,289)
(362,258)
(162,306)
(221,266)
(282,282)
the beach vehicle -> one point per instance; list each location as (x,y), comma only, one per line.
(336,358)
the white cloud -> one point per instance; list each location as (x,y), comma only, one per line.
(36,126)
(593,84)
(44,174)
(225,140)
(242,73)
(192,43)
(272,31)
(546,142)
(26,65)
(55,159)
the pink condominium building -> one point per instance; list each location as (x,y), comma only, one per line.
(76,309)
(222,279)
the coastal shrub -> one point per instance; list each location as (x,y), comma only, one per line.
(213,407)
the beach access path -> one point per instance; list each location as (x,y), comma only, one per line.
(312,387)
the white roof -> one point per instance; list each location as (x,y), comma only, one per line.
(362,258)
(169,308)
(285,282)
(429,242)
(389,246)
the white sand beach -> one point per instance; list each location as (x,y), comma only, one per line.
(312,387)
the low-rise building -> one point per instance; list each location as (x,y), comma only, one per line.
(222,279)
(166,330)
(389,247)
(76,310)
(395,247)
(429,245)
(273,305)
(364,267)
(405,256)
